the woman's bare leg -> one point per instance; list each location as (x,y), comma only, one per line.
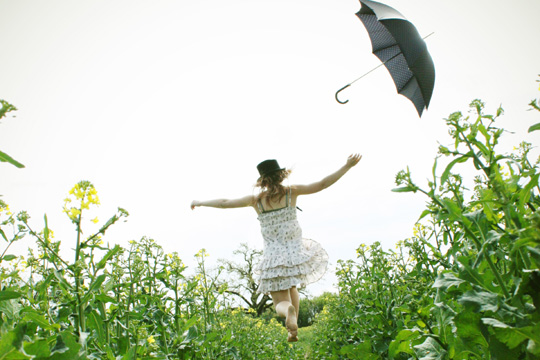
(285,308)
(295,299)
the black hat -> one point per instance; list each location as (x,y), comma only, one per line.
(268,167)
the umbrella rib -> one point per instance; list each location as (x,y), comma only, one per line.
(378,66)
(396,44)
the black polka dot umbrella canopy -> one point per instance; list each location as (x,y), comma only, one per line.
(397,43)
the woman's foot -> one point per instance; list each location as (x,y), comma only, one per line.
(291,324)
(292,338)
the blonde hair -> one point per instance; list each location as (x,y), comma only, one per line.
(271,186)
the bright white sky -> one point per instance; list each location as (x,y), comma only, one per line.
(162,102)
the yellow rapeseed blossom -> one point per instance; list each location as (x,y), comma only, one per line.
(202,254)
(4,208)
(73,213)
(418,229)
(95,220)
(151,340)
(82,193)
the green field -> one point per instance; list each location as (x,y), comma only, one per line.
(465,285)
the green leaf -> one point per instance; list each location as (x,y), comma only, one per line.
(405,189)
(525,193)
(5,107)
(105,298)
(446,173)
(482,148)
(95,323)
(6,158)
(472,275)
(60,347)
(190,335)
(101,264)
(93,287)
(38,348)
(513,336)
(453,209)
(130,355)
(433,173)
(535,254)
(46,231)
(430,350)
(66,348)
(424,214)
(3,235)
(486,301)
(446,280)
(484,131)
(109,222)
(9,348)
(63,283)
(468,328)
(39,320)
(403,343)
(8,295)
(8,257)
(534,127)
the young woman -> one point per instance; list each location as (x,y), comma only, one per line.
(288,259)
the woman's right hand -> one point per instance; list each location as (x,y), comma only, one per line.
(353,160)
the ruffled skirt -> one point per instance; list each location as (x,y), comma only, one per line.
(302,262)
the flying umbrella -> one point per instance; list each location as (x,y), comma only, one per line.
(397,43)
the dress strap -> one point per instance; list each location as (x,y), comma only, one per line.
(259,203)
(288,197)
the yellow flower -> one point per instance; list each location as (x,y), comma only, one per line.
(72,213)
(95,220)
(151,340)
(202,254)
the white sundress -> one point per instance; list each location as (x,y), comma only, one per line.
(288,259)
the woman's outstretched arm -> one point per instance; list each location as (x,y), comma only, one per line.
(329,180)
(225,203)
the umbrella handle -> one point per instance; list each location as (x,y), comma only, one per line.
(340,90)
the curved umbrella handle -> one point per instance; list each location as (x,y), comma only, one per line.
(340,90)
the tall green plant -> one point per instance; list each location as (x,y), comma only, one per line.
(488,298)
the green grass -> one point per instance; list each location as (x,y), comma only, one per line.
(306,338)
